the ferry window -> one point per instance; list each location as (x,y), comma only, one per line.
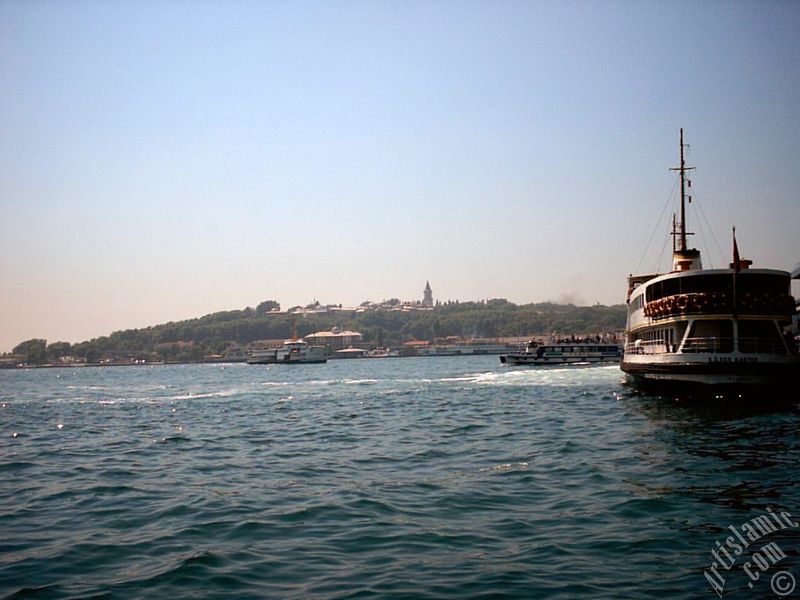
(758,282)
(711,336)
(713,328)
(758,328)
(759,336)
(672,287)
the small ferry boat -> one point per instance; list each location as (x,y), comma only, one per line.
(292,351)
(347,353)
(261,357)
(564,353)
(462,349)
(297,351)
(696,327)
(383,353)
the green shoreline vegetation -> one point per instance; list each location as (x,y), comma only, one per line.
(389,324)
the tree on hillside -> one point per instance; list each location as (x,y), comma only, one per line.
(34,350)
(267,306)
(58,350)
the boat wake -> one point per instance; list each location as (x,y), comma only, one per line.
(537,376)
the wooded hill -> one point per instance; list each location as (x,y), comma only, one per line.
(194,339)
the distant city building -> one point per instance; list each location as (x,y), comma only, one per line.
(428,298)
(335,339)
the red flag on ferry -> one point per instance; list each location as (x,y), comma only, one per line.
(737,263)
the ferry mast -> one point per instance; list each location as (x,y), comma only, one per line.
(683,257)
(682,234)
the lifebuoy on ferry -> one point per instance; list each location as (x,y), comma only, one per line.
(713,300)
(721,300)
(654,308)
(682,302)
(699,301)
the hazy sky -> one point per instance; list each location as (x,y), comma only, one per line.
(164,160)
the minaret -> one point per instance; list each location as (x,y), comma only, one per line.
(428,299)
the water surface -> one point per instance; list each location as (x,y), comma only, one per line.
(448,477)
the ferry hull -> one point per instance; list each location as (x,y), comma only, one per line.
(314,361)
(262,361)
(710,374)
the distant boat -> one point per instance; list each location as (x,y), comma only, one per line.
(383,353)
(709,327)
(564,353)
(462,349)
(261,357)
(351,352)
(296,351)
(293,351)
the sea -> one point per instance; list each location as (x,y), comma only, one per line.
(440,477)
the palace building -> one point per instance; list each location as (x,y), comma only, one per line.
(335,339)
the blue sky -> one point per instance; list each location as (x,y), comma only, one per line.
(160,161)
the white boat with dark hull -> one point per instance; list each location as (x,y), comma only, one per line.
(262,357)
(462,349)
(383,353)
(296,351)
(293,351)
(696,327)
(564,353)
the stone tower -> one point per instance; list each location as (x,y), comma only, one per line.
(428,298)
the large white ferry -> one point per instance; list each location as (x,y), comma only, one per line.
(717,327)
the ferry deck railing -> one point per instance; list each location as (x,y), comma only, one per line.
(710,345)
(761,345)
(649,347)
